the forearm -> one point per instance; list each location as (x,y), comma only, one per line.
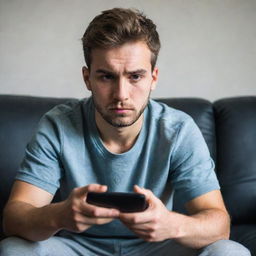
(32,223)
(201,229)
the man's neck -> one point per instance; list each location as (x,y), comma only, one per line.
(118,140)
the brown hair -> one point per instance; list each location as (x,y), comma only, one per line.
(117,26)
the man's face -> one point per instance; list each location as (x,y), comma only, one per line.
(121,80)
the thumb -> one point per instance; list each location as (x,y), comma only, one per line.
(143,191)
(150,197)
(138,189)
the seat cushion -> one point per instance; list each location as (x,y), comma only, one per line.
(246,235)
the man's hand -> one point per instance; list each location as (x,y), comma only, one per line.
(30,214)
(208,220)
(156,223)
(77,215)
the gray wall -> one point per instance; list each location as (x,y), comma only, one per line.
(208,46)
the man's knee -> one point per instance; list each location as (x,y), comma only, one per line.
(225,248)
(17,246)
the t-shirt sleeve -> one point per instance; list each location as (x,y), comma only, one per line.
(192,169)
(41,165)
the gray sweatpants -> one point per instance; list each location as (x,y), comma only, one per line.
(60,246)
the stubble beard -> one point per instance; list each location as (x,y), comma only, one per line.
(118,122)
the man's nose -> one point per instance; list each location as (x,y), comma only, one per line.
(121,90)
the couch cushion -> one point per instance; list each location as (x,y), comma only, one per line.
(236,154)
(246,235)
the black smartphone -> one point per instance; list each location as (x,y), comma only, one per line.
(124,202)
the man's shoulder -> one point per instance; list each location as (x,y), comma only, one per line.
(65,116)
(163,113)
(66,108)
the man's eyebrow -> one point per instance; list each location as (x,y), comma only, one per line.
(103,71)
(138,71)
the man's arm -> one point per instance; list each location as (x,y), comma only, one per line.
(30,214)
(208,222)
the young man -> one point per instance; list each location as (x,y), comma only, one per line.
(118,140)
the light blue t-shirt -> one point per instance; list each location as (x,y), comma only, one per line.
(169,156)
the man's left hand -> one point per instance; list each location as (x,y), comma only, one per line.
(156,223)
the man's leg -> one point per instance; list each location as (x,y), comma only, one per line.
(225,248)
(54,246)
(171,248)
(138,247)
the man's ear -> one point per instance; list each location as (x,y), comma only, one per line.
(86,76)
(154,78)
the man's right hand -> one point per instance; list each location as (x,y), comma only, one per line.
(30,214)
(76,215)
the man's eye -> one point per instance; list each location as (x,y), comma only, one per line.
(107,77)
(135,77)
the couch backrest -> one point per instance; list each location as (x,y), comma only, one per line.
(19,116)
(236,156)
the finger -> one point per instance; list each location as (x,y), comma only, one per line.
(84,223)
(138,189)
(94,221)
(83,219)
(136,218)
(142,234)
(99,212)
(150,197)
(148,193)
(147,227)
(145,216)
(97,188)
(82,191)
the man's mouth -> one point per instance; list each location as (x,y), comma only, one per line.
(121,110)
